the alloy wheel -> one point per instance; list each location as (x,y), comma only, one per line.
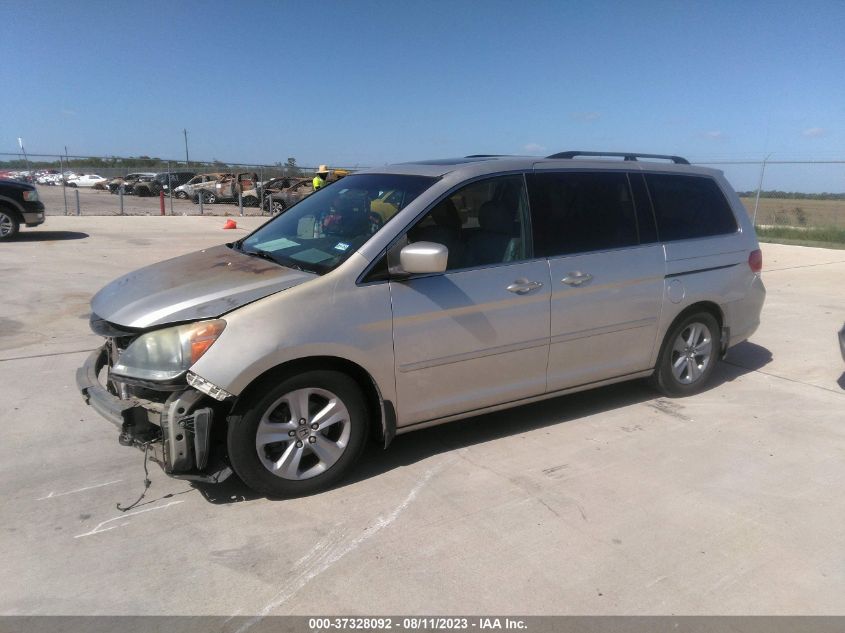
(303,434)
(692,352)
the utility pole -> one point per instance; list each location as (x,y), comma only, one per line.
(29,171)
(187,162)
(759,187)
(62,169)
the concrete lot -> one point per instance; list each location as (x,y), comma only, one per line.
(97,202)
(607,502)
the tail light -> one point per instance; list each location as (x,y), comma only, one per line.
(755,261)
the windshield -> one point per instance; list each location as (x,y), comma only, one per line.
(325,228)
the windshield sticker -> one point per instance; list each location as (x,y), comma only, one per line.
(341,246)
(277,245)
(312,256)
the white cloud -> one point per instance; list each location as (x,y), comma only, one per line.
(533,148)
(586,117)
(716,135)
(814,132)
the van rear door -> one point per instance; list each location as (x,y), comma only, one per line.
(607,271)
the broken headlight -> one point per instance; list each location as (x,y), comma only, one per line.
(164,355)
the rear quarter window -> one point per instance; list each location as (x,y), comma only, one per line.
(688,207)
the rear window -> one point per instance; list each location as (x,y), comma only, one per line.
(688,207)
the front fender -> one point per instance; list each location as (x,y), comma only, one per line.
(327,316)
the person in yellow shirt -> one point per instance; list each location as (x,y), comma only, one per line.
(320,179)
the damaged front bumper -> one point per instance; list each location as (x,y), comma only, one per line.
(176,427)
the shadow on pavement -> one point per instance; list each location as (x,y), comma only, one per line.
(51,236)
(413,447)
(748,356)
(841,381)
(232,490)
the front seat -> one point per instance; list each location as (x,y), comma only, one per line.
(493,243)
(445,230)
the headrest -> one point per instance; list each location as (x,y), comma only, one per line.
(495,218)
(446,215)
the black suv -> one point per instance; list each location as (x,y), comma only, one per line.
(19,204)
(160,182)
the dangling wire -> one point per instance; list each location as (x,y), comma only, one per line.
(147,481)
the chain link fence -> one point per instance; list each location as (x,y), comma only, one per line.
(792,201)
(798,198)
(64,194)
(116,166)
(789,193)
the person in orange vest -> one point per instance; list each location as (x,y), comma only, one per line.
(320,179)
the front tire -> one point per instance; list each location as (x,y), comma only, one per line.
(688,356)
(9,225)
(302,436)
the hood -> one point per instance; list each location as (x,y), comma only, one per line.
(200,285)
(15,184)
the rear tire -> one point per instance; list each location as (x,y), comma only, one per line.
(276,449)
(688,356)
(9,225)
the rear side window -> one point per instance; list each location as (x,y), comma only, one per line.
(687,207)
(577,212)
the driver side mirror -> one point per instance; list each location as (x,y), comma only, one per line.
(424,258)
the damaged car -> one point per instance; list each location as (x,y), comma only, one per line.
(125,183)
(189,189)
(417,294)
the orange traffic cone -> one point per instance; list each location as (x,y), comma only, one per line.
(230,224)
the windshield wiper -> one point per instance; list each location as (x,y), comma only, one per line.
(262,254)
(287,262)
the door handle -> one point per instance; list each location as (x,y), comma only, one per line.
(521,286)
(576,278)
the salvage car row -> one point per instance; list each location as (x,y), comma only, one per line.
(273,196)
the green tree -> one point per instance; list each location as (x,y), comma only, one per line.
(291,168)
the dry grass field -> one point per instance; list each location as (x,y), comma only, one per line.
(798,213)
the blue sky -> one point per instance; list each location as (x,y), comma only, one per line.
(369,83)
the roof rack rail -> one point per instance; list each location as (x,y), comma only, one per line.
(626,155)
(484,155)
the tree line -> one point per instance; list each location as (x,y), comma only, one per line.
(796,195)
(147,163)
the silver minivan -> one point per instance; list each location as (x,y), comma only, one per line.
(420,293)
